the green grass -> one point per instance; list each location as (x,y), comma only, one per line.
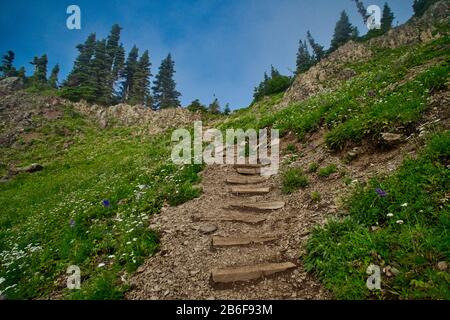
(325,172)
(313,167)
(55,218)
(293,179)
(315,196)
(416,195)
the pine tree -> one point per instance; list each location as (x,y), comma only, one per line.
(115,55)
(165,94)
(343,32)
(226,110)
(100,71)
(214,107)
(387,18)
(195,106)
(140,93)
(274,73)
(318,50)
(53,80)
(40,69)
(362,10)
(81,73)
(7,69)
(21,73)
(129,72)
(304,59)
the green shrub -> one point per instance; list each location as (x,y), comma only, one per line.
(313,167)
(315,196)
(293,179)
(291,148)
(325,172)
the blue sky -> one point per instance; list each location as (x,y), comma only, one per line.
(220,47)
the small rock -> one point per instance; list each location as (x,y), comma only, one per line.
(391,138)
(31,168)
(442,265)
(351,155)
(390,271)
(207,229)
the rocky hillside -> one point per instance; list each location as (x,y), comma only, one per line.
(333,70)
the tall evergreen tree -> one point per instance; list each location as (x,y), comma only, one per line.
(362,10)
(214,107)
(82,73)
(53,80)
(387,18)
(100,69)
(7,69)
(40,69)
(140,92)
(318,50)
(304,59)
(196,105)
(343,32)
(227,110)
(165,94)
(115,55)
(21,73)
(129,72)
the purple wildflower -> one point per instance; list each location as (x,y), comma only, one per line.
(380,192)
(106,203)
(72,223)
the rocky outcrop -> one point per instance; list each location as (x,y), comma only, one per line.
(124,114)
(10,84)
(331,71)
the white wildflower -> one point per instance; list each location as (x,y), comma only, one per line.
(399,221)
(404,204)
(390,215)
(101,265)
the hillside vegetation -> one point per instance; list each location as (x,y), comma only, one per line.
(101,181)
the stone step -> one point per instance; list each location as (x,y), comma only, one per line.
(245,180)
(249,166)
(272,205)
(250,190)
(236,217)
(249,171)
(246,273)
(242,240)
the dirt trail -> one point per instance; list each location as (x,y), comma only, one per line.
(182,269)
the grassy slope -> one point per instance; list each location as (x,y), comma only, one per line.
(413,240)
(55,218)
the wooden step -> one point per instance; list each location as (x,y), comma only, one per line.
(246,273)
(236,217)
(249,166)
(250,190)
(249,171)
(218,241)
(245,180)
(272,205)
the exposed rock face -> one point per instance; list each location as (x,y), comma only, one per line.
(329,72)
(10,84)
(124,114)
